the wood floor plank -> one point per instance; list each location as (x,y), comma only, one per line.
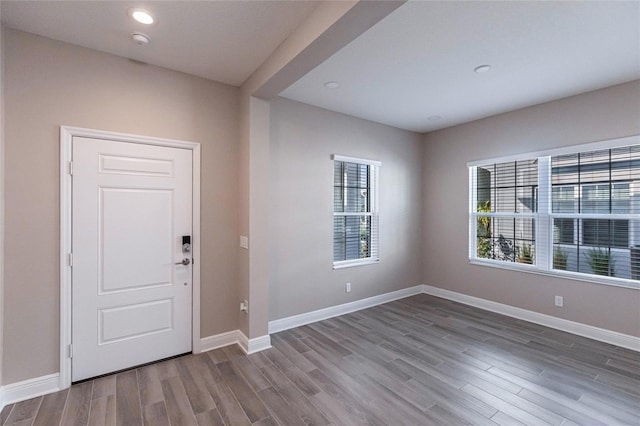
(51,409)
(25,422)
(128,398)
(229,408)
(250,403)
(470,409)
(227,404)
(210,418)
(292,354)
(267,421)
(166,369)
(600,416)
(515,400)
(104,386)
(437,415)
(4,414)
(155,414)
(627,416)
(300,404)
(334,411)
(507,408)
(613,396)
(24,410)
(78,404)
(619,381)
(347,400)
(149,384)
(559,408)
(176,401)
(419,400)
(505,420)
(248,369)
(103,411)
(280,408)
(278,358)
(194,386)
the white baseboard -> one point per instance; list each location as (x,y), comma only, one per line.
(221,340)
(257,344)
(28,389)
(334,311)
(249,346)
(595,333)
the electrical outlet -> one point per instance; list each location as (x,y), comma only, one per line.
(244,306)
(559,301)
(347,288)
(244,242)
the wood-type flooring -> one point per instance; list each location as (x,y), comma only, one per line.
(416,361)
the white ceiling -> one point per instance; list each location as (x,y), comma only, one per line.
(414,64)
(418,61)
(224,41)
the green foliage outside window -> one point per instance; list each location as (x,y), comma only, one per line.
(601,262)
(525,255)
(559,259)
(484,231)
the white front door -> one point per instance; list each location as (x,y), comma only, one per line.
(131,298)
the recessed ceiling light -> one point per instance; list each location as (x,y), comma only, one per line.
(142,16)
(482,68)
(332,85)
(434,118)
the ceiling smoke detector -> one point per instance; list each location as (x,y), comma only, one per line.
(140,39)
(482,68)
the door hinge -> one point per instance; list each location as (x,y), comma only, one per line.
(71,259)
(70,351)
(71,168)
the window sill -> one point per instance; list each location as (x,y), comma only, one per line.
(351,263)
(532,269)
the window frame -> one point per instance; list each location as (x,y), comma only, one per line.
(373,212)
(544,217)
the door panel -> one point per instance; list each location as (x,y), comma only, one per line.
(129,322)
(131,302)
(124,217)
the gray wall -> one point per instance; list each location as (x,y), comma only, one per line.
(604,114)
(302,141)
(49,84)
(1,197)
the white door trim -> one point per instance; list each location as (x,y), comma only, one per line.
(66,136)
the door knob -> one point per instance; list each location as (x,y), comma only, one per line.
(184,261)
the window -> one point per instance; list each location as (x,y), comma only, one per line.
(355,211)
(572,211)
(506,201)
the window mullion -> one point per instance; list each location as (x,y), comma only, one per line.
(544,227)
(473,221)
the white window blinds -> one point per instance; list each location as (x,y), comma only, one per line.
(355,211)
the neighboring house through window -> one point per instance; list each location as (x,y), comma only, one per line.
(574,209)
(355,211)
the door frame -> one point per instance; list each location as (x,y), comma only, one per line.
(66,139)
